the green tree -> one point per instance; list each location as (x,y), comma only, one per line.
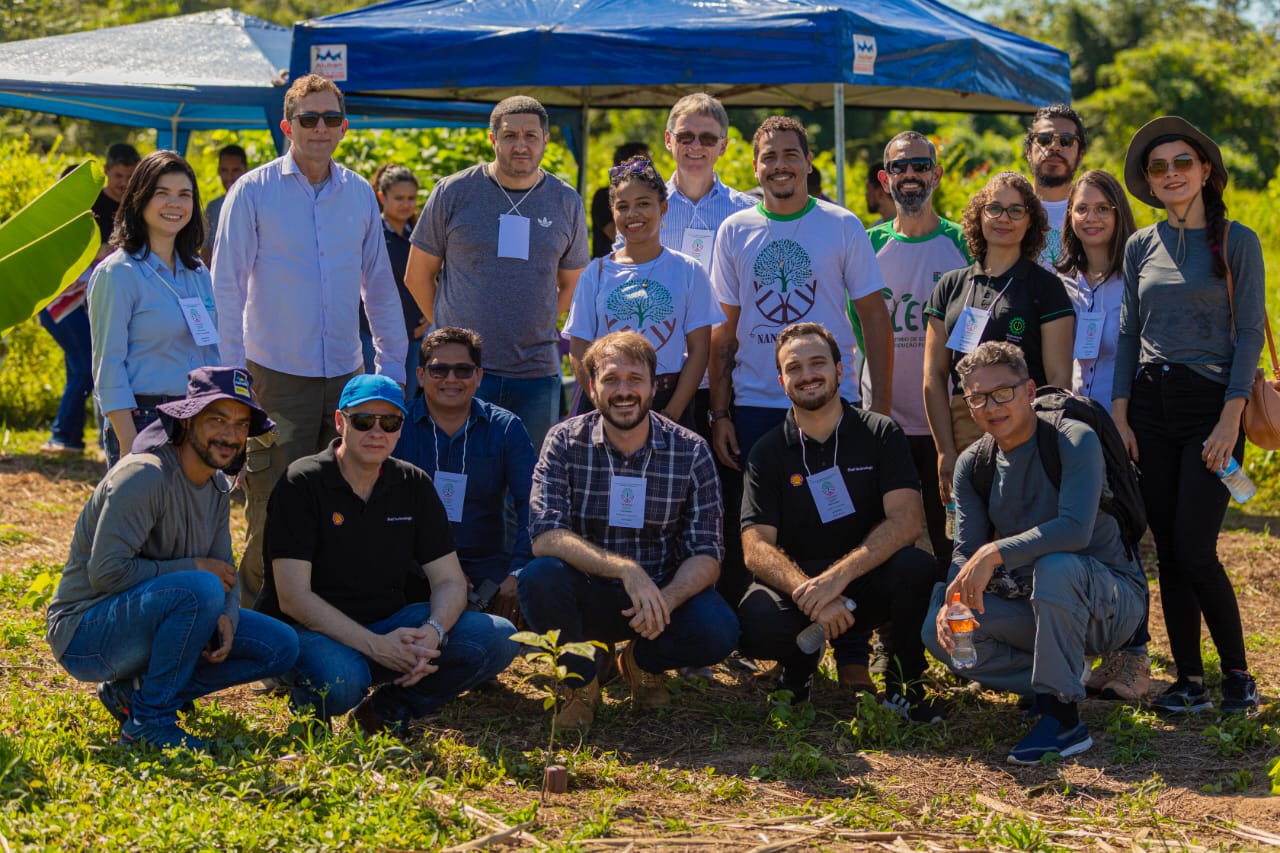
(645,301)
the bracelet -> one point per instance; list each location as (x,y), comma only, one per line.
(444,635)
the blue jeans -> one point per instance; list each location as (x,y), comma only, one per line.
(158,629)
(72,334)
(553,594)
(332,677)
(143,417)
(536,402)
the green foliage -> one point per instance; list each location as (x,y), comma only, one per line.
(1234,783)
(1234,734)
(876,727)
(1273,775)
(1132,731)
(803,761)
(40,592)
(31,377)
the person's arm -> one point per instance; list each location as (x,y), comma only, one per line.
(221,550)
(648,606)
(773,568)
(697,348)
(381,298)
(420,280)
(1057,339)
(877,332)
(1127,347)
(937,402)
(234,252)
(577,349)
(1244,256)
(566,281)
(724,347)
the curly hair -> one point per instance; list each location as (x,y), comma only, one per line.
(1074,260)
(780,124)
(1033,241)
(637,169)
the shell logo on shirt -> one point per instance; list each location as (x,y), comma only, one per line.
(643,305)
(785,287)
(797,480)
(338,518)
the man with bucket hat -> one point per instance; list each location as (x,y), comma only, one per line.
(148,603)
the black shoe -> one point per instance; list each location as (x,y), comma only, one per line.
(1239,693)
(918,710)
(116,697)
(1184,696)
(800,687)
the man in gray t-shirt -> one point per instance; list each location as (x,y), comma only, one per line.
(507,242)
(1046,573)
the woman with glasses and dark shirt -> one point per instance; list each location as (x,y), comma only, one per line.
(151,311)
(663,294)
(1184,371)
(1003,296)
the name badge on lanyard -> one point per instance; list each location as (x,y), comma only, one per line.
(452,489)
(830,494)
(1089,334)
(626,501)
(513,236)
(967,334)
(199,322)
(697,243)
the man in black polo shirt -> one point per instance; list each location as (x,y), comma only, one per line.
(346,528)
(830,509)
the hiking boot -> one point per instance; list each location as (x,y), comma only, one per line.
(116,697)
(160,735)
(366,718)
(1132,678)
(1103,673)
(1239,693)
(1184,696)
(1049,737)
(855,677)
(578,705)
(881,657)
(648,689)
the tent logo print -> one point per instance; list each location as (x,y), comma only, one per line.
(864,54)
(329,60)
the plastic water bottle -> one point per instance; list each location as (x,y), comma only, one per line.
(951,519)
(1236,481)
(813,638)
(960,621)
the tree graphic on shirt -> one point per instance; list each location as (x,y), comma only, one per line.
(784,282)
(641,300)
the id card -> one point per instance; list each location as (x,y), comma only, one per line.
(199,322)
(452,489)
(626,501)
(513,236)
(967,333)
(830,494)
(1088,334)
(697,244)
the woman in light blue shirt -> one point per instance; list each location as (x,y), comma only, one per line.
(151,311)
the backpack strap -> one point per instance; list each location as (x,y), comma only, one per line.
(1047,441)
(983,473)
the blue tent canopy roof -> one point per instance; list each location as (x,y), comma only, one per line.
(890,53)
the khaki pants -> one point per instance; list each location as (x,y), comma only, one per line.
(302,407)
(963,426)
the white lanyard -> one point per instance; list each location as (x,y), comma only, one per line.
(828,488)
(968,300)
(435,442)
(515,205)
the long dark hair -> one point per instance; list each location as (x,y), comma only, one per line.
(131,228)
(1032,242)
(1074,260)
(1215,208)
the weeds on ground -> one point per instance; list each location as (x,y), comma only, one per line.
(1132,732)
(1234,734)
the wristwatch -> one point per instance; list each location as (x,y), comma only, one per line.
(444,635)
(718,415)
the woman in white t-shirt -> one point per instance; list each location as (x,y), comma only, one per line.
(645,287)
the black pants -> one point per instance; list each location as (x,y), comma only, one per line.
(896,592)
(925,454)
(1172,411)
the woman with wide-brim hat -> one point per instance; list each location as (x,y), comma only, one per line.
(1184,370)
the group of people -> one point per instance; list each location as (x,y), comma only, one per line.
(755,451)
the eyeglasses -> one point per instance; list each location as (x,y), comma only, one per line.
(1066,140)
(635,167)
(1181,163)
(995,211)
(1001,395)
(1102,211)
(364,421)
(919,165)
(706,140)
(310,120)
(440,370)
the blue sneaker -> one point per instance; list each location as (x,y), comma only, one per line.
(160,735)
(1047,738)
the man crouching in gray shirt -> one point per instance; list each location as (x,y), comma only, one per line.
(1046,572)
(148,602)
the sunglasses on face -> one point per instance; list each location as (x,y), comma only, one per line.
(1066,140)
(440,370)
(310,120)
(919,165)
(995,211)
(1001,395)
(1102,211)
(364,421)
(706,140)
(1180,163)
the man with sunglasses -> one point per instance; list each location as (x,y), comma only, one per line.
(476,453)
(299,245)
(498,249)
(347,531)
(1054,147)
(1045,571)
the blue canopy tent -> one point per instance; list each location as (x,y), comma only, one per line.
(909,54)
(211,70)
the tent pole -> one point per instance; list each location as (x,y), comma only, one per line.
(584,129)
(838,108)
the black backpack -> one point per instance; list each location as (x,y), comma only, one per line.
(1121,497)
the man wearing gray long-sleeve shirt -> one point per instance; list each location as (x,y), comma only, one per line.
(148,602)
(1058,583)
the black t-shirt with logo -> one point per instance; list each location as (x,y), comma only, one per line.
(1034,297)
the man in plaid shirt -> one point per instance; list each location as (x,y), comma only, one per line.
(624,519)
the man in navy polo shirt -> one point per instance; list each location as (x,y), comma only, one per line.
(346,529)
